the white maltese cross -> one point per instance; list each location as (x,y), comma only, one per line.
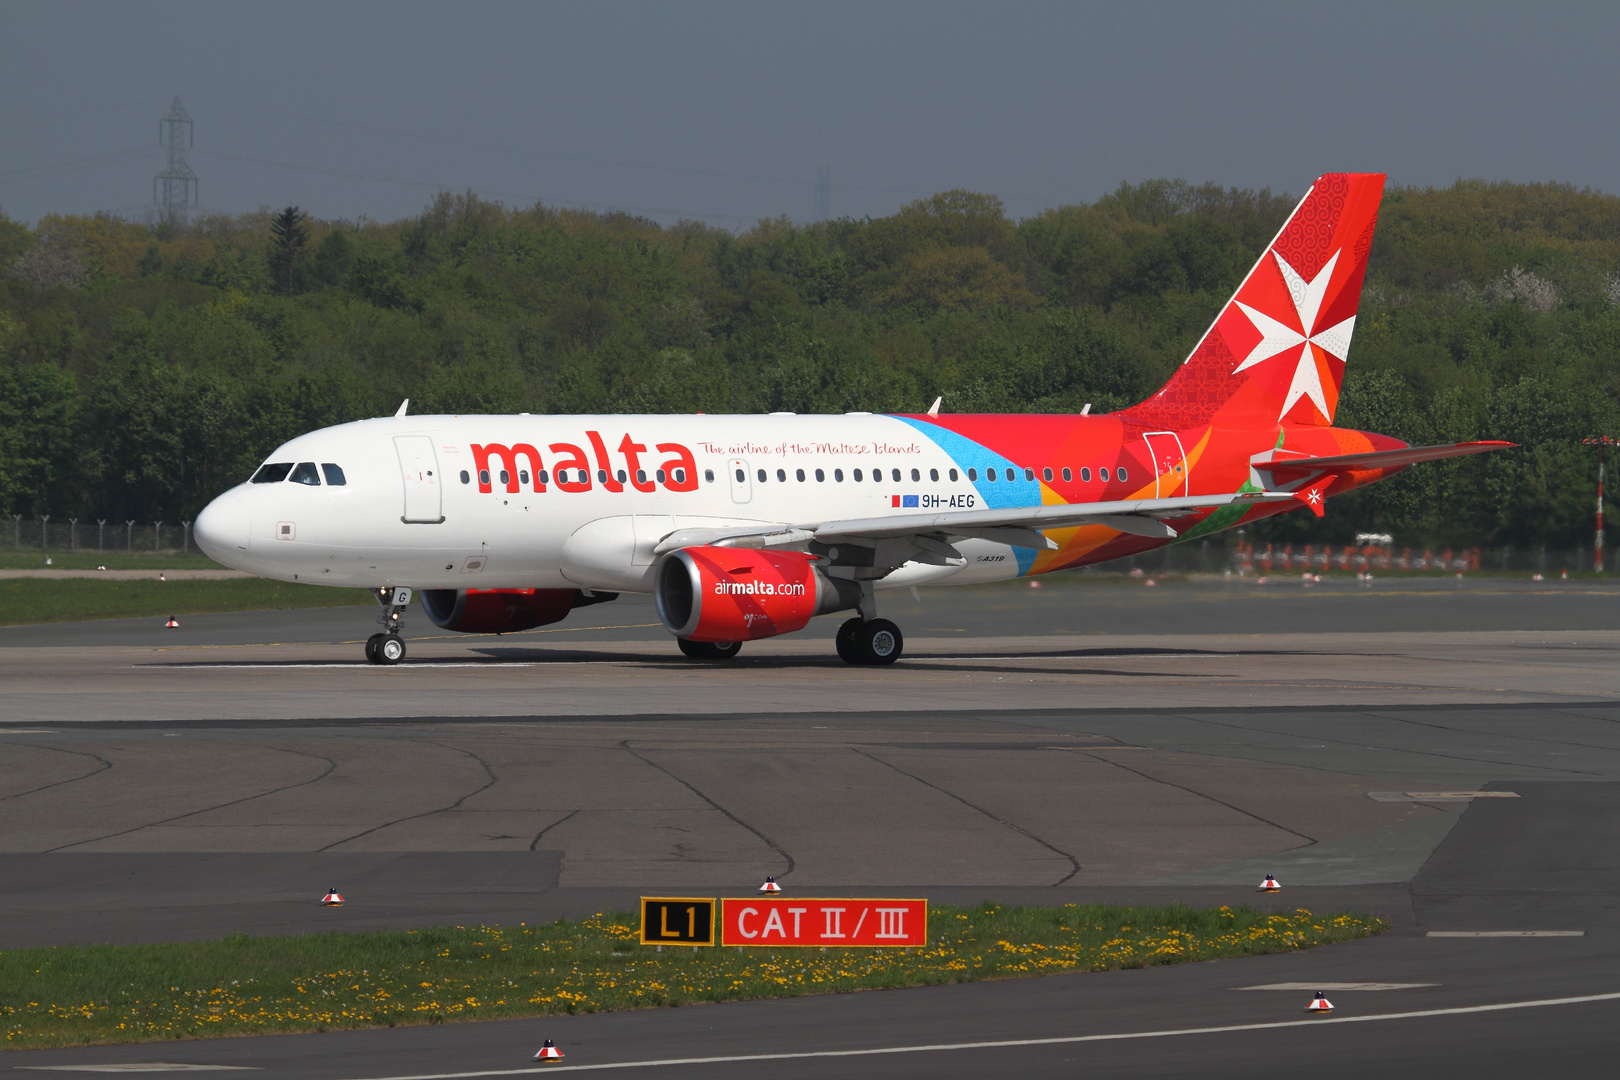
(1276,337)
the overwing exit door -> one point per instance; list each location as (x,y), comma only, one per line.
(1169,464)
(419,469)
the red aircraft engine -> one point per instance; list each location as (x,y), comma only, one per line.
(502,611)
(739,594)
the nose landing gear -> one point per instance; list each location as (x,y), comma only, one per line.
(389,647)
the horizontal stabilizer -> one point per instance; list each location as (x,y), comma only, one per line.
(1381,459)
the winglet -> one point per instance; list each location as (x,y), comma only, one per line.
(933,410)
(403,406)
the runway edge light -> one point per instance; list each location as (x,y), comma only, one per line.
(1270,885)
(548,1052)
(770,886)
(333,898)
(1319,1004)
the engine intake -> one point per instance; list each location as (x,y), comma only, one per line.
(503,611)
(739,594)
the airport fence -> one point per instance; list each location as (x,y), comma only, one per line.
(1245,558)
(48,534)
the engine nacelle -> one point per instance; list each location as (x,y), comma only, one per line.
(502,611)
(739,594)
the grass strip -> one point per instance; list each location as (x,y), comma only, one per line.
(25,601)
(34,559)
(245,986)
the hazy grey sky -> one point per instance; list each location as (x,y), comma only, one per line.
(725,111)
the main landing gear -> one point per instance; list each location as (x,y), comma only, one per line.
(709,650)
(389,648)
(872,642)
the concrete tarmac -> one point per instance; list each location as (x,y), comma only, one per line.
(1079,742)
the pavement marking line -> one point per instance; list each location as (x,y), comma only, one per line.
(1336,987)
(141,1066)
(1506,933)
(1439,796)
(1319,1021)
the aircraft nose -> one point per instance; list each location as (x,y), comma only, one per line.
(222,529)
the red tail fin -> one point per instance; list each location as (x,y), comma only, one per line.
(1276,352)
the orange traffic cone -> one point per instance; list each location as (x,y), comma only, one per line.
(548,1052)
(173,623)
(770,886)
(1319,1004)
(1270,885)
(333,898)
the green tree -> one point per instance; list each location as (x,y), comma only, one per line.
(289,235)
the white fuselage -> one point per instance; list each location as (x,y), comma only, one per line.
(414,510)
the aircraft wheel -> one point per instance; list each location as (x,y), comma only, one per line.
(848,650)
(879,642)
(391,649)
(371,648)
(709,650)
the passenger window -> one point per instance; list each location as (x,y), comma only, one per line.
(1085,475)
(741,476)
(1102,474)
(506,477)
(973,474)
(1046,474)
(821,477)
(838,475)
(933,474)
(1120,473)
(621,476)
(305,473)
(1067,476)
(989,474)
(466,477)
(541,476)
(953,475)
(800,474)
(915,476)
(523,476)
(761,475)
(781,475)
(483,476)
(896,474)
(334,474)
(708,476)
(857,475)
(680,476)
(641,476)
(660,476)
(1029,474)
(272,474)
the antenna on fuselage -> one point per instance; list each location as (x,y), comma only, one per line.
(407,404)
(1083,412)
(933,410)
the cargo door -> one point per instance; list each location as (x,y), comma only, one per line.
(742,485)
(1169,464)
(419,468)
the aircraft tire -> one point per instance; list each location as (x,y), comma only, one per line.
(848,651)
(709,650)
(391,649)
(879,642)
(371,648)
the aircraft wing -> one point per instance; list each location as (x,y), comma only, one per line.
(1380,459)
(931,533)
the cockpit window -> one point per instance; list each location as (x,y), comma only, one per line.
(334,474)
(273,473)
(305,474)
